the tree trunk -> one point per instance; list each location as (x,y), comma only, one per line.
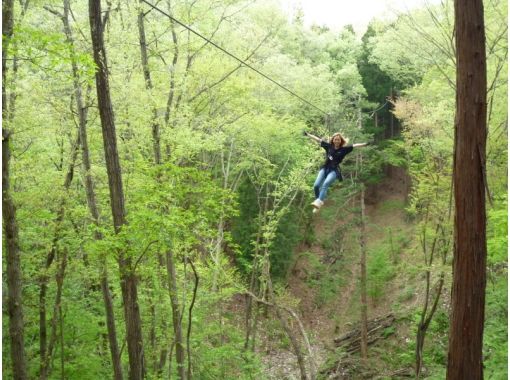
(176,316)
(470,251)
(363,251)
(363,278)
(392,117)
(14,294)
(249,302)
(11,108)
(424,325)
(110,324)
(190,314)
(148,84)
(47,358)
(82,111)
(171,93)
(251,326)
(44,278)
(442,244)
(293,340)
(127,275)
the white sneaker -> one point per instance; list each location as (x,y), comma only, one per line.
(317,203)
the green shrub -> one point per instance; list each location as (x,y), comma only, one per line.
(497,239)
(495,338)
(380,270)
(406,294)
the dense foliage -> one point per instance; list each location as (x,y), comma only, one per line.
(227,196)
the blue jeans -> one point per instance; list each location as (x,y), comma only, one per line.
(322,183)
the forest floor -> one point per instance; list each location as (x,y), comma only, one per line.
(325,276)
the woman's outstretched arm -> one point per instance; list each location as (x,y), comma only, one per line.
(315,138)
(359,145)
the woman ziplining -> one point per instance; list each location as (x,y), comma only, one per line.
(336,149)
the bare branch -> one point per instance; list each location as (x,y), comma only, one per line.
(53,11)
(297,319)
(144,252)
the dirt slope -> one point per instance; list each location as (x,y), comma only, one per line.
(325,277)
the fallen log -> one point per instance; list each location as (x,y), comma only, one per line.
(351,341)
(402,373)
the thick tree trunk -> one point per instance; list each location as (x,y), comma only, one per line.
(14,296)
(470,252)
(107,121)
(128,277)
(176,316)
(14,293)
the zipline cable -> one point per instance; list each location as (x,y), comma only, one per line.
(377,109)
(233,56)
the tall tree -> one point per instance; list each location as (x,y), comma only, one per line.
(363,278)
(470,253)
(363,256)
(82,111)
(148,84)
(126,267)
(176,315)
(14,296)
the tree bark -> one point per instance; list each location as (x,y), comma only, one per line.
(110,324)
(11,108)
(171,93)
(176,316)
(190,313)
(47,358)
(363,278)
(363,256)
(148,85)
(91,196)
(251,326)
(7,31)
(470,251)
(127,275)
(14,293)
